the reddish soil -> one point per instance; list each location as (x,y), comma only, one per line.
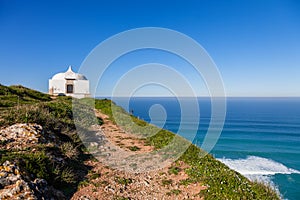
(105,182)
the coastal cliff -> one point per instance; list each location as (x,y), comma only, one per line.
(42,156)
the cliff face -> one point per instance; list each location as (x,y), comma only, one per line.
(41,156)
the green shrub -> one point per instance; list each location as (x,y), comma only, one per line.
(166,182)
(69,150)
(134,148)
(36,164)
(67,176)
(94,175)
(123,181)
(174,170)
(83,183)
(174,191)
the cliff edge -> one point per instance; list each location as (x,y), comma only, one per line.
(43,157)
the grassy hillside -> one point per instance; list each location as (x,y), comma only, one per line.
(222,182)
(22,105)
(14,95)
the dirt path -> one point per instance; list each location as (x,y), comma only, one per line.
(120,138)
(106,182)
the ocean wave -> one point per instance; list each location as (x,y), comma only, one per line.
(254,165)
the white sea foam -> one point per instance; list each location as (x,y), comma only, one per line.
(254,165)
(258,168)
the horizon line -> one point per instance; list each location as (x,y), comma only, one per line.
(108,96)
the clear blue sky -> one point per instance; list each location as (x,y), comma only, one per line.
(255,43)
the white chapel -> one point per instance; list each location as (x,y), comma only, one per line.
(69,83)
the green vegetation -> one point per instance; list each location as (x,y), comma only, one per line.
(16,95)
(22,105)
(69,150)
(83,183)
(187,182)
(165,182)
(123,181)
(40,165)
(221,181)
(94,176)
(174,170)
(134,148)
(174,191)
(55,116)
(121,198)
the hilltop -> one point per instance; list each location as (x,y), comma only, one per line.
(41,155)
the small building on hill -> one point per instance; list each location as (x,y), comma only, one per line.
(69,83)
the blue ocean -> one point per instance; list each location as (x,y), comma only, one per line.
(260,138)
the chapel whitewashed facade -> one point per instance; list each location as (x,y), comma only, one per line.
(69,83)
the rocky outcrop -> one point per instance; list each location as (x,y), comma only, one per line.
(18,184)
(22,136)
(14,186)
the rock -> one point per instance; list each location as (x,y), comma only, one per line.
(146,183)
(84,198)
(21,136)
(14,186)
